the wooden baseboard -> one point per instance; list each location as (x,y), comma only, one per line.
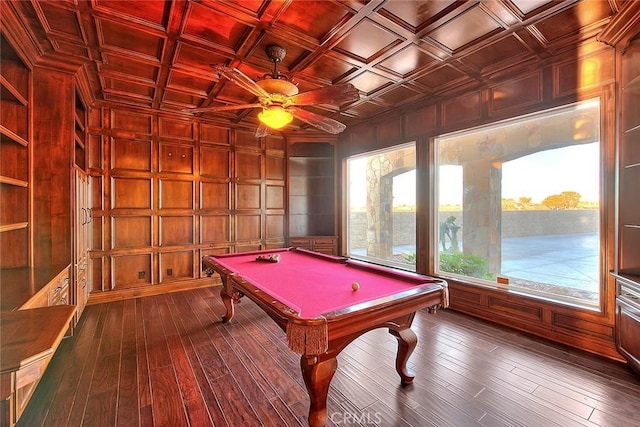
(118,295)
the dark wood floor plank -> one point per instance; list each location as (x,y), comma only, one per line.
(191,331)
(247,341)
(128,413)
(101,407)
(167,404)
(82,395)
(196,409)
(233,401)
(142,364)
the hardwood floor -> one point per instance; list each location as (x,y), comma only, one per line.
(167,360)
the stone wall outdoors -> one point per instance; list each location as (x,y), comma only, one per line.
(514,224)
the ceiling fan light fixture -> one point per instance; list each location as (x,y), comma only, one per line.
(275,117)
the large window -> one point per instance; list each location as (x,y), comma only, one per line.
(518,204)
(381,195)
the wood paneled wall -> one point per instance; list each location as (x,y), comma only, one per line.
(167,191)
(569,76)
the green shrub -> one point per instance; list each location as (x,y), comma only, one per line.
(410,258)
(464,264)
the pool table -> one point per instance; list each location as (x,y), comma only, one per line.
(324,302)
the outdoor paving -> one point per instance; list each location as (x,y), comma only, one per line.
(561,264)
(570,260)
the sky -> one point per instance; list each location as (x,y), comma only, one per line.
(574,168)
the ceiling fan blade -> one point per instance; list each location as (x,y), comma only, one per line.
(262,130)
(332,95)
(323,123)
(241,80)
(221,108)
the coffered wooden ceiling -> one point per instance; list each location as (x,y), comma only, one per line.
(157,54)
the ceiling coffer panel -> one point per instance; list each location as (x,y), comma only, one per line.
(385,54)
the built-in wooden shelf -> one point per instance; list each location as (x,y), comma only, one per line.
(634,129)
(13,181)
(8,133)
(11,227)
(632,86)
(13,91)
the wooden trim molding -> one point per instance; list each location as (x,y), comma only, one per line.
(623,26)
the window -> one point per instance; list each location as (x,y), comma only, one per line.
(518,204)
(381,194)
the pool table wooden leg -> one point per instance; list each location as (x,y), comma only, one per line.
(317,375)
(228,301)
(407,341)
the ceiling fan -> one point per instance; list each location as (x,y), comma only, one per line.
(279,98)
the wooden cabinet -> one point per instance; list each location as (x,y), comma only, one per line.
(628,288)
(82,220)
(81,241)
(628,319)
(29,340)
(629,160)
(622,33)
(15,137)
(324,244)
(30,287)
(312,196)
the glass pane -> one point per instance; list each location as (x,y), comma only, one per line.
(519,204)
(382,207)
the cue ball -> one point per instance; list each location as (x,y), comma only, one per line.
(355,286)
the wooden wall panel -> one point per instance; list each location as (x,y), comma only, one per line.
(248,165)
(275,143)
(246,139)
(520,93)
(248,196)
(214,134)
(130,121)
(576,323)
(215,195)
(184,190)
(463,109)
(215,162)
(215,229)
(131,232)
(176,194)
(97,233)
(176,230)
(248,228)
(97,182)
(176,158)
(131,154)
(584,73)
(274,197)
(131,271)
(95,149)
(131,193)
(179,129)
(421,121)
(389,130)
(176,265)
(275,227)
(511,307)
(275,167)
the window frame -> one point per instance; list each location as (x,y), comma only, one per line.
(347,203)
(604,211)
